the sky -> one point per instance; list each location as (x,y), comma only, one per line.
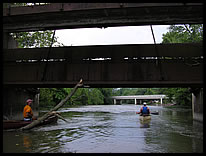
(111,35)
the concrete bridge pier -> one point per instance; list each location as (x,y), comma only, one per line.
(115,101)
(197,104)
(161,101)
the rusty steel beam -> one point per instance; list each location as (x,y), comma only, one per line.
(144,73)
(87,15)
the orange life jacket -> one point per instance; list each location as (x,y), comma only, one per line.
(27,109)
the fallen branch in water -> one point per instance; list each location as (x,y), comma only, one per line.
(45,116)
(61,118)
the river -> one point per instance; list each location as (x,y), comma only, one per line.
(111,129)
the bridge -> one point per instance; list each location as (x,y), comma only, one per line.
(132,65)
(138,97)
(123,66)
(101,15)
(136,65)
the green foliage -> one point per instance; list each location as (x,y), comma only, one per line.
(96,96)
(183,96)
(46,97)
(136,91)
(83,96)
(180,96)
(80,97)
(149,91)
(36,39)
(106,92)
(184,34)
(50,97)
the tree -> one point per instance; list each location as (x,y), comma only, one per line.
(49,97)
(183,96)
(35,39)
(46,97)
(149,91)
(96,96)
(182,34)
(106,92)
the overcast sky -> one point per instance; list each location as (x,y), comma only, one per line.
(111,35)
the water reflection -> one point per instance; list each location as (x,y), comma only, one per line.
(145,124)
(27,142)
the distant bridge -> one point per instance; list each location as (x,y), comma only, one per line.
(138,97)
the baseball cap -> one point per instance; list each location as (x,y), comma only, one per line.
(29,100)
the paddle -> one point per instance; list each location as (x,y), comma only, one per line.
(153,113)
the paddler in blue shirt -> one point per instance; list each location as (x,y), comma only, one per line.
(144,110)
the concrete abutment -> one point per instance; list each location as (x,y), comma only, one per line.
(197,104)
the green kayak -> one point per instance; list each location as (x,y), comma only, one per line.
(145,118)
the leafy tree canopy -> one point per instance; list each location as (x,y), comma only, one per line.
(184,34)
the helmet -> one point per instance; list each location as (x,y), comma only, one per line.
(144,103)
(29,100)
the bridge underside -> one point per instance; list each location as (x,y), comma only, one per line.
(177,65)
(87,15)
(102,74)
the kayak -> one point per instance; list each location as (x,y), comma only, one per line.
(15,124)
(155,113)
(145,118)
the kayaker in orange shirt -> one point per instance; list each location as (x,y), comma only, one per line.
(28,114)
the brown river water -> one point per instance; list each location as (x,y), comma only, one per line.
(111,129)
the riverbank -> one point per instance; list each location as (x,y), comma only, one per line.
(177,106)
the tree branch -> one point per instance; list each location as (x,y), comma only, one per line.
(45,116)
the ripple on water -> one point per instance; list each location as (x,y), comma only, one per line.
(112,129)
